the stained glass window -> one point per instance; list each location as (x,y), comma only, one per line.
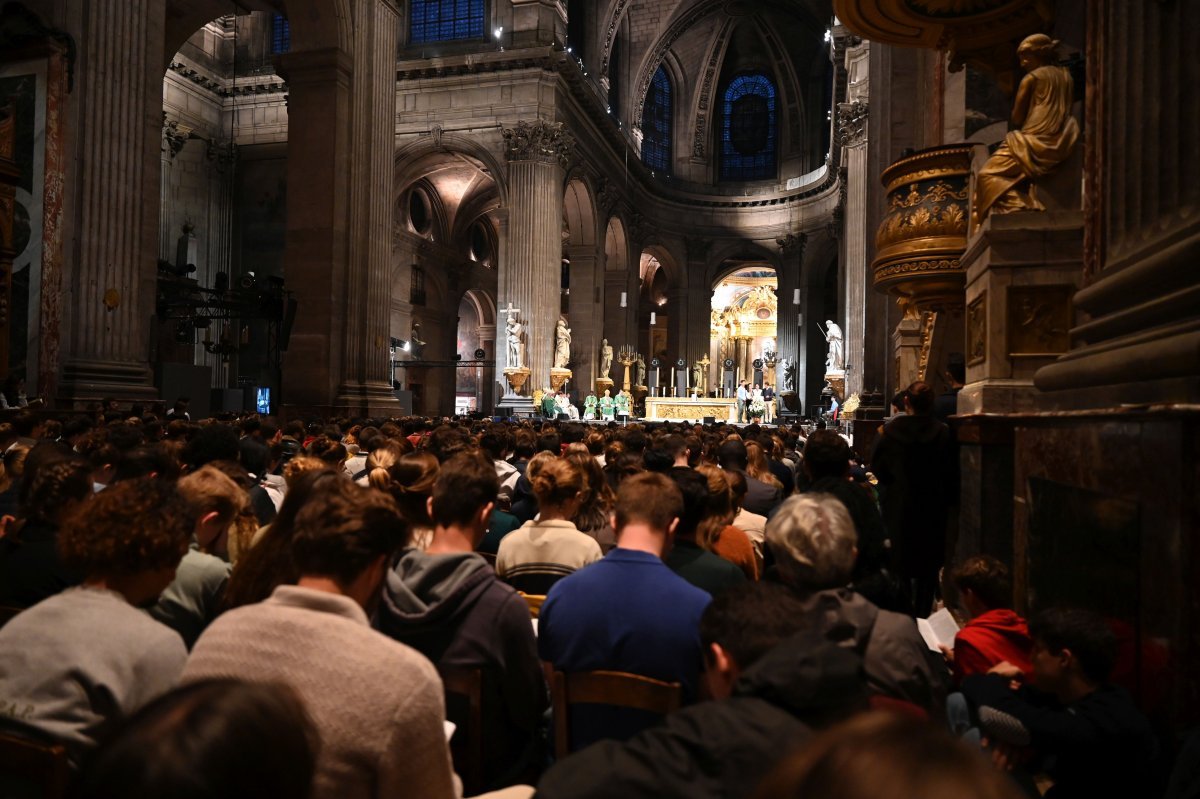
(445,20)
(748,137)
(281,35)
(656,123)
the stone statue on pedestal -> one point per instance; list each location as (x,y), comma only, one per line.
(514,333)
(606,358)
(789,374)
(416,346)
(835,361)
(562,345)
(1046,136)
(698,377)
(641,371)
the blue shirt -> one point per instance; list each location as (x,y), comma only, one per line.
(628,612)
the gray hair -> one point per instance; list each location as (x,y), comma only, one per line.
(813,540)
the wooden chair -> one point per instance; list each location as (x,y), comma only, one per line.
(31,769)
(534,601)
(613,688)
(489,557)
(7,612)
(464,707)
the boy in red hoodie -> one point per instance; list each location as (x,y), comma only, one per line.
(995,633)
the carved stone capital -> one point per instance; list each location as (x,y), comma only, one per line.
(793,244)
(175,135)
(697,248)
(851,123)
(548,142)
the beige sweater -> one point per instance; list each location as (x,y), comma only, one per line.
(550,546)
(377,704)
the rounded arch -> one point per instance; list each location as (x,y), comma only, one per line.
(719,260)
(409,158)
(616,245)
(579,211)
(484,303)
(668,263)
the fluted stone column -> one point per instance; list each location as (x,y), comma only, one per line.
(365,383)
(856,245)
(530,272)
(110,301)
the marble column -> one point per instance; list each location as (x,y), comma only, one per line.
(111,296)
(365,382)
(487,374)
(858,233)
(530,276)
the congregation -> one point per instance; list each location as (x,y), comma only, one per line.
(240,607)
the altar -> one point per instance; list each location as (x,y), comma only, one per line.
(677,409)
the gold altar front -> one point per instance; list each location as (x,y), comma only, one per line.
(678,409)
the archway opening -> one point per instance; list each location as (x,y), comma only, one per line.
(744,323)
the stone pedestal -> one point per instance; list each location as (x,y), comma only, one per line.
(514,402)
(1022,271)
(603,384)
(906,343)
(558,377)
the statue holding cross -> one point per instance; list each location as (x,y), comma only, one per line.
(515,336)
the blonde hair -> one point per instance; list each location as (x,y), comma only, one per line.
(756,465)
(209,489)
(301,464)
(718,511)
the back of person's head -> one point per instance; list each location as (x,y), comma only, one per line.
(53,486)
(129,529)
(650,499)
(465,485)
(1084,634)
(269,564)
(751,619)
(255,456)
(210,490)
(493,442)
(24,423)
(920,397)
(694,488)
(299,465)
(381,461)
(813,540)
(987,578)
(551,442)
(218,738)
(214,442)
(635,440)
(12,466)
(447,441)
(524,445)
(827,455)
(150,460)
(656,458)
(718,505)
(731,454)
(343,529)
(897,402)
(886,755)
(413,477)
(595,443)
(737,489)
(554,480)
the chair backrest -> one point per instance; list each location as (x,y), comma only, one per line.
(489,557)
(528,581)
(534,601)
(464,707)
(613,688)
(7,612)
(31,769)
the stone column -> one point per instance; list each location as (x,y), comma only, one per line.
(530,272)
(584,311)
(365,384)
(487,374)
(111,297)
(316,266)
(858,233)
(787,333)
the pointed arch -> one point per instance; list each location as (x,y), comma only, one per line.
(658,122)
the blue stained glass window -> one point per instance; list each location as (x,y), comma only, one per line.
(748,129)
(281,35)
(656,123)
(445,20)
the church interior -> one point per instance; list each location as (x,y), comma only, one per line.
(397,208)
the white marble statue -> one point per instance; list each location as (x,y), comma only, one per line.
(835,361)
(606,356)
(515,332)
(562,345)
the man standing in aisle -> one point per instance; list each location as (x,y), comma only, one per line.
(743,396)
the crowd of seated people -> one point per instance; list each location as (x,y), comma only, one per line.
(240,607)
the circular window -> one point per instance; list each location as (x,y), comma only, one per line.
(481,244)
(420,215)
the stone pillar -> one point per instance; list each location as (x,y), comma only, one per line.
(585,315)
(111,298)
(906,343)
(858,233)
(487,374)
(530,272)
(787,332)
(365,385)
(316,266)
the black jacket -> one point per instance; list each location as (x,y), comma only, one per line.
(721,749)
(453,610)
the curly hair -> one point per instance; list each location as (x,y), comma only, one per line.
(343,528)
(50,488)
(130,528)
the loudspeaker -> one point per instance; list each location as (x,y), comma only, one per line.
(710,420)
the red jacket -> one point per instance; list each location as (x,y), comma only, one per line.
(988,639)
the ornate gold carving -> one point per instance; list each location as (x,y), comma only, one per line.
(1039,320)
(548,142)
(977,330)
(927,325)
(916,267)
(851,123)
(663,408)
